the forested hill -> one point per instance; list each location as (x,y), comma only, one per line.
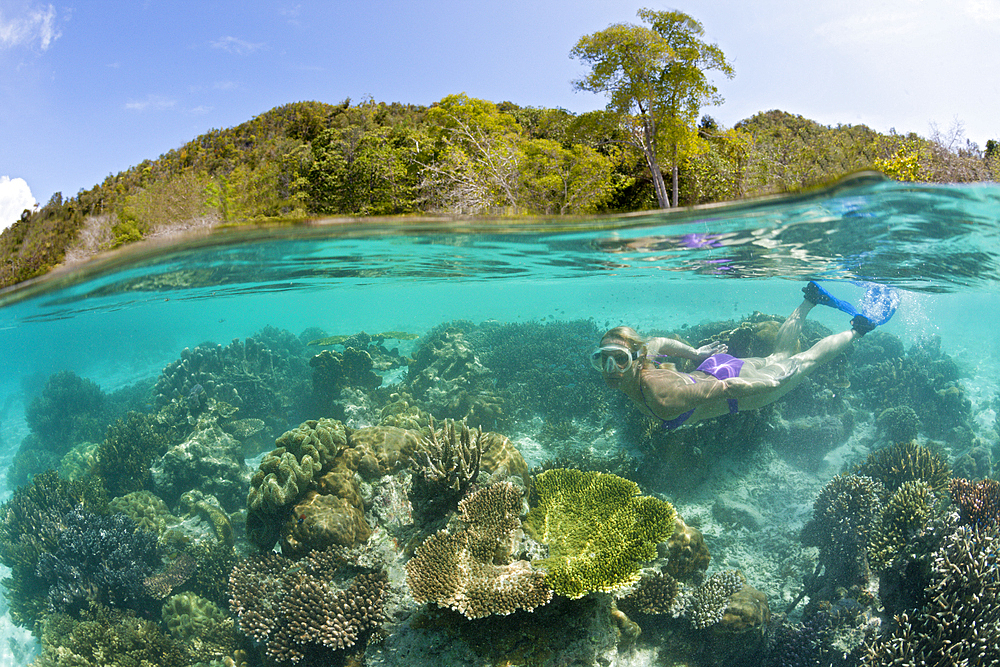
(458,156)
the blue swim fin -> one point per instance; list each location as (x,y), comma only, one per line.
(879,303)
(817,294)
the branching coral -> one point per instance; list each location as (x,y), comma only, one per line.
(471,571)
(844,516)
(598,529)
(127,452)
(98,559)
(979,502)
(906,513)
(310,607)
(444,467)
(960,622)
(904,462)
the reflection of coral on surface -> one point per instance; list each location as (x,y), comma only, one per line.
(471,571)
(598,529)
(306,608)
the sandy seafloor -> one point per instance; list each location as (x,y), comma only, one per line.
(774,490)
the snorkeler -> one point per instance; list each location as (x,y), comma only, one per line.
(723,384)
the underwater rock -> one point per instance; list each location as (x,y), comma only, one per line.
(687,553)
(211,461)
(732,512)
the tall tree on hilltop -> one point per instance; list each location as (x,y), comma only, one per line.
(657,83)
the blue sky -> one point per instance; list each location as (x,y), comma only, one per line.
(91,89)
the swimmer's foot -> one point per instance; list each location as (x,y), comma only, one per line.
(862,324)
(818,296)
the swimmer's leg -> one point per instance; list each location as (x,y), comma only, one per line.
(787,340)
(825,350)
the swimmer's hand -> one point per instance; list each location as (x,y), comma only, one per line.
(705,351)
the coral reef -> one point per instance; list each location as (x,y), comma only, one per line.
(335,371)
(209,460)
(30,524)
(959,622)
(687,553)
(148,511)
(108,638)
(907,513)
(656,593)
(898,424)
(98,559)
(444,467)
(709,601)
(905,462)
(844,516)
(310,608)
(70,410)
(598,529)
(471,571)
(201,625)
(127,452)
(286,473)
(447,379)
(978,502)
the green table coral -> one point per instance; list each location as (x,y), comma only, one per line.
(598,528)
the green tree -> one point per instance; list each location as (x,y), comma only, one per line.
(656,80)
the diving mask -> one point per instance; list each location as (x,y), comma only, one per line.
(612,358)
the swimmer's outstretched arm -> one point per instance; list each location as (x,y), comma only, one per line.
(672,347)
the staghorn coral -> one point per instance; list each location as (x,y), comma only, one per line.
(907,512)
(979,502)
(844,516)
(30,524)
(904,462)
(308,608)
(598,529)
(98,559)
(471,571)
(959,622)
(444,467)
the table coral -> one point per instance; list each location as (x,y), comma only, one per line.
(598,529)
(313,607)
(471,571)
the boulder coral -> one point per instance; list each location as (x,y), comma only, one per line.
(598,529)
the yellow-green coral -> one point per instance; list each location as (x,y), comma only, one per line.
(904,462)
(598,528)
(906,513)
(147,510)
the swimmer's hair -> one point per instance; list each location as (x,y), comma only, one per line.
(635,342)
(627,335)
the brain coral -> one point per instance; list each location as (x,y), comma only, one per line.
(598,529)
(471,571)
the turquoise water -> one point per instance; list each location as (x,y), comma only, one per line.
(121,320)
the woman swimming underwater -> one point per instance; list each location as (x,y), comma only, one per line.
(723,384)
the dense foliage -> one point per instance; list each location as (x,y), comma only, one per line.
(461,155)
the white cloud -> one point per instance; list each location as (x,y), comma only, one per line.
(15,196)
(237,46)
(151,103)
(36,25)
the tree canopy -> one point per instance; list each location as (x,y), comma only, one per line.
(656,82)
